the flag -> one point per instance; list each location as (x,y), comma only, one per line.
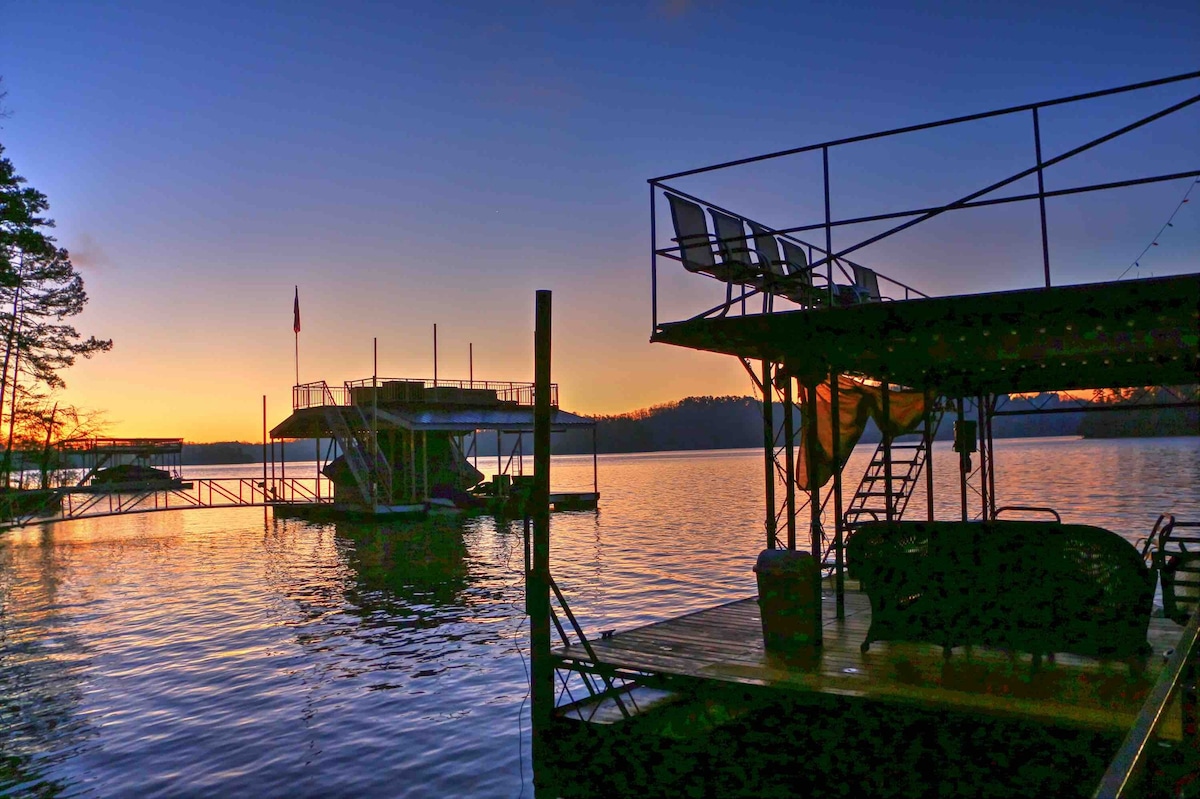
(296,312)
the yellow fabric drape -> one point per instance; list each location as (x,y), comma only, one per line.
(856,403)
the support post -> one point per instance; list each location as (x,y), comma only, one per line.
(374,470)
(595,464)
(810,411)
(264,484)
(425,462)
(984,456)
(812,443)
(768,415)
(538,578)
(839,575)
(886,402)
(929,454)
(317,492)
(963,460)
(283,460)
(991,456)
(789,470)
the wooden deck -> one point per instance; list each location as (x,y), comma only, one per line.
(724,644)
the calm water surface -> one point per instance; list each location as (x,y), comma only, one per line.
(224,653)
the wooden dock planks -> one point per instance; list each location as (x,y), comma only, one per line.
(725,644)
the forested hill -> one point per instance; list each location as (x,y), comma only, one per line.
(731,422)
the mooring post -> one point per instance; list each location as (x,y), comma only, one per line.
(538,578)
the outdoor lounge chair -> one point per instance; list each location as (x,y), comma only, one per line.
(867,284)
(696,244)
(735,251)
(795,286)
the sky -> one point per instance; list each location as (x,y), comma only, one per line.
(412,164)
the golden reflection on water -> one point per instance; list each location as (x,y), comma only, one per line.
(218,652)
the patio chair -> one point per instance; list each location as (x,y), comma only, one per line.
(802,290)
(866,282)
(691,234)
(696,245)
(735,251)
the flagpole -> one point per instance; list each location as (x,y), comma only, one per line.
(296,331)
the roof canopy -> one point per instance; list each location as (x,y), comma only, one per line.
(312,422)
(1127,333)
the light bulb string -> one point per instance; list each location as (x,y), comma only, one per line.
(1154,241)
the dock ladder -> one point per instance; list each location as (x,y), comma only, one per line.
(909,453)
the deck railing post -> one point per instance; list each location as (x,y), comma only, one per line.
(1037,146)
(653,265)
(538,578)
(828,225)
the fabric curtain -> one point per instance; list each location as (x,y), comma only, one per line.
(856,404)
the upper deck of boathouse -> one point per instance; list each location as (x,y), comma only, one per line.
(795,256)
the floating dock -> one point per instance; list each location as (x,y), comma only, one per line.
(408,447)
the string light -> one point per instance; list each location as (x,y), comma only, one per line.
(1154,242)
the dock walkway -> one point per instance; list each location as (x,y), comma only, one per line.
(725,644)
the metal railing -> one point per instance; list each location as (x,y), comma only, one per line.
(831,256)
(207,492)
(319,394)
(1179,677)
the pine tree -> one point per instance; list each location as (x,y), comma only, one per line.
(39,290)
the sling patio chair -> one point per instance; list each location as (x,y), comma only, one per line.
(802,290)
(734,247)
(696,245)
(866,284)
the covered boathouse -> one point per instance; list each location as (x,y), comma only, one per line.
(402,446)
(991,653)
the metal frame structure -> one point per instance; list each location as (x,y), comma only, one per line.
(1063,338)
(388,421)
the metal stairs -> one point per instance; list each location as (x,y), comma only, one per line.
(909,456)
(352,449)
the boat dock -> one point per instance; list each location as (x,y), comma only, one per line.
(725,644)
(983,616)
(405,446)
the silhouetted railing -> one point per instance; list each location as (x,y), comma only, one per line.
(415,390)
(825,260)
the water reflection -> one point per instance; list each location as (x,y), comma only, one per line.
(228,653)
(422,565)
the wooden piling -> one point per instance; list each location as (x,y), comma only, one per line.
(538,577)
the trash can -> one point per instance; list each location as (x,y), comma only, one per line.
(789,598)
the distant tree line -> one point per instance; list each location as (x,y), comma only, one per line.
(729,422)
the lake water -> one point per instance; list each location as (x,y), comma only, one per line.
(230,653)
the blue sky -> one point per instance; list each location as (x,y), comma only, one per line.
(407,164)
